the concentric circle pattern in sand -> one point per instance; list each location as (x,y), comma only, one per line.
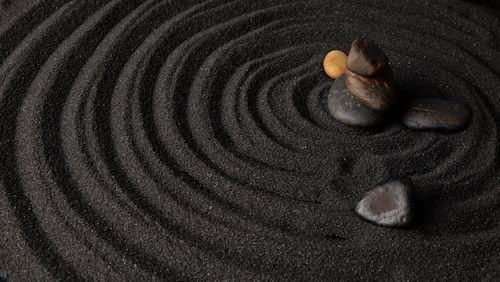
(180,140)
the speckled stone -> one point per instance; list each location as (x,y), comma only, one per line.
(430,113)
(347,109)
(388,204)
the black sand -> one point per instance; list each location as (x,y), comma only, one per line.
(181,140)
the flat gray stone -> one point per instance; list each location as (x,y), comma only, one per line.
(430,113)
(388,204)
(349,110)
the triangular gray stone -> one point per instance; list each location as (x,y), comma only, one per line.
(388,204)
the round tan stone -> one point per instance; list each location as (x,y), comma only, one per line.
(335,63)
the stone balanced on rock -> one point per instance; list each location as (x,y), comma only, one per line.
(363,95)
(364,91)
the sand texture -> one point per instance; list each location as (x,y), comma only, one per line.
(191,140)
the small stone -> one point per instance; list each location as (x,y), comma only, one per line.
(378,93)
(388,204)
(334,63)
(365,58)
(430,113)
(347,109)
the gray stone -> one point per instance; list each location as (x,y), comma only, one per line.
(388,204)
(430,113)
(347,109)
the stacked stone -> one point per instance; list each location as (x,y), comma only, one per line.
(366,92)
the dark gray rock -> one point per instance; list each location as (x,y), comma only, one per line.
(430,113)
(388,204)
(347,109)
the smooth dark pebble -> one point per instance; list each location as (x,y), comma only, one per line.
(430,113)
(347,109)
(388,204)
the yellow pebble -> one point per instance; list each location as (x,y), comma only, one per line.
(334,63)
